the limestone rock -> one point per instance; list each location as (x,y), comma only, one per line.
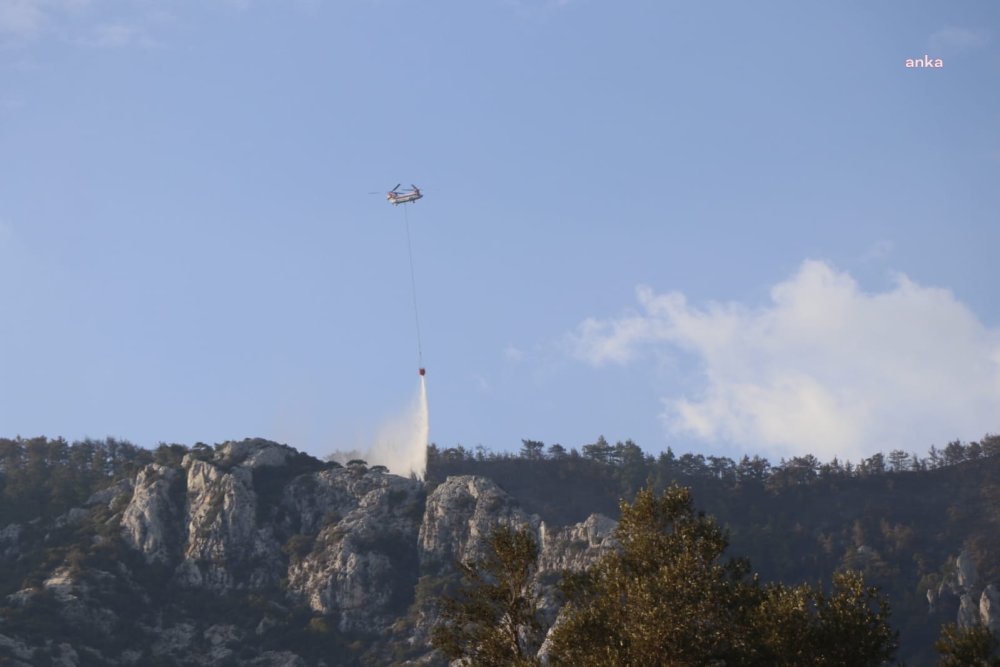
(147,522)
(252,453)
(266,623)
(9,539)
(968,613)
(217,635)
(176,639)
(67,657)
(16,647)
(460,514)
(965,570)
(277,659)
(71,518)
(120,489)
(220,639)
(989,609)
(575,547)
(362,564)
(221,530)
(60,583)
(311,502)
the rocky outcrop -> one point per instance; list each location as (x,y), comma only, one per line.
(320,548)
(174,640)
(222,540)
(968,612)
(460,514)
(147,522)
(120,491)
(989,609)
(252,453)
(463,511)
(311,502)
(277,659)
(17,649)
(575,547)
(361,566)
(962,584)
(9,538)
(965,572)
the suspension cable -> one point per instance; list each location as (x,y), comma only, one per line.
(413,285)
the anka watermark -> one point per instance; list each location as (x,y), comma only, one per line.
(926,61)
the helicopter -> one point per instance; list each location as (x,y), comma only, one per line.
(396,198)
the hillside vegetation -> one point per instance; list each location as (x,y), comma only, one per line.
(258,549)
(899,518)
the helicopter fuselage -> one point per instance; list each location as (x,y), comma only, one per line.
(403,197)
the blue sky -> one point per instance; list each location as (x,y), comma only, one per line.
(722,227)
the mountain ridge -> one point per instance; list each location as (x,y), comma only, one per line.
(254,553)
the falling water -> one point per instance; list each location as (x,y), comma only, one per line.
(401,443)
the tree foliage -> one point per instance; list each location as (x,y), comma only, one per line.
(974,646)
(41,478)
(664,594)
(802,625)
(895,518)
(667,597)
(493,622)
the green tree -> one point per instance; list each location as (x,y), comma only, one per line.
(532,449)
(974,646)
(802,625)
(954,453)
(897,460)
(667,597)
(662,598)
(599,451)
(493,621)
(556,451)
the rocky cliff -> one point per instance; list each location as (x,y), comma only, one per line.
(253,553)
(978,604)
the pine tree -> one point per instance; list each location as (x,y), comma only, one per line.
(493,622)
(974,646)
(666,597)
(663,598)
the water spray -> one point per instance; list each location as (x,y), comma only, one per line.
(401,442)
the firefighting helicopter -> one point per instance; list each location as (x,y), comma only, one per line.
(396,197)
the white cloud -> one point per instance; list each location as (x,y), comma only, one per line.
(952,38)
(823,367)
(878,251)
(118,34)
(114,23)
(513,353)
(21,18)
